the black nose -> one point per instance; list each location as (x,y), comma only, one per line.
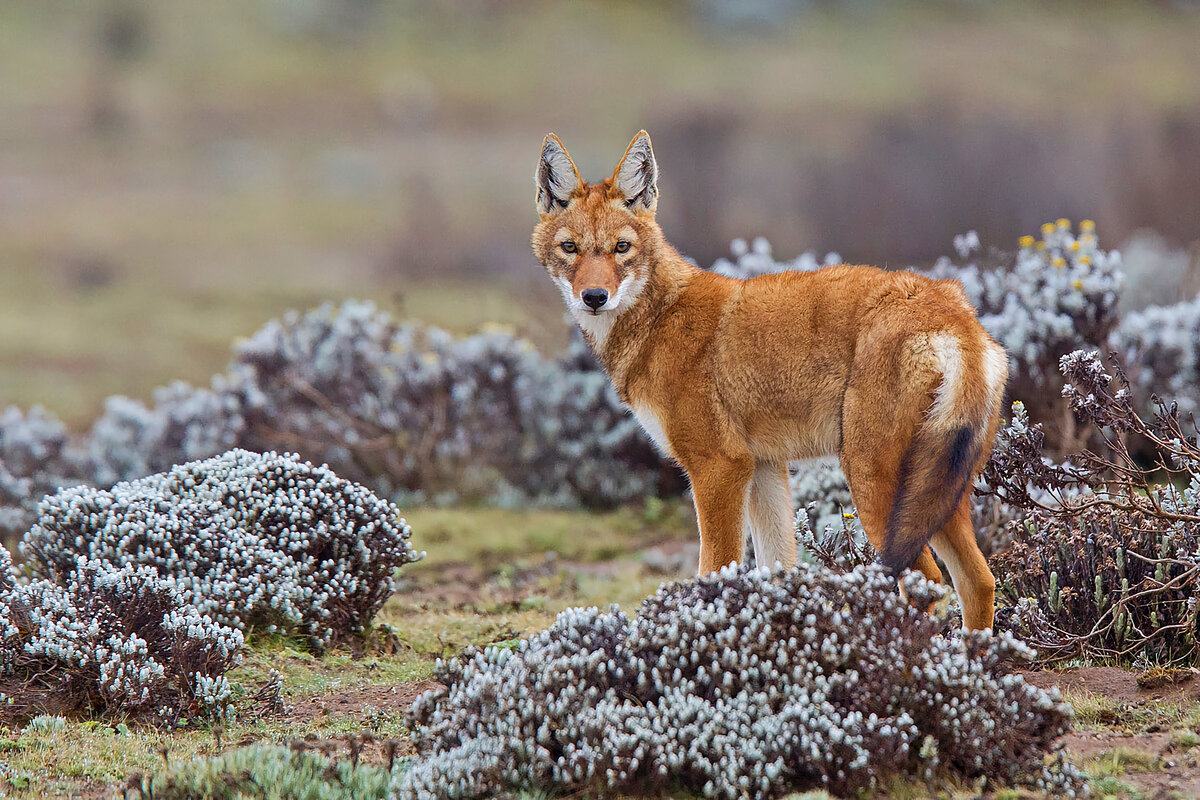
(594,298)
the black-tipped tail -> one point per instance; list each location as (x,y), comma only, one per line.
(935,473)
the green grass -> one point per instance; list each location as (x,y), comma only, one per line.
(489,538)
(304,673)
(1120,761)
(1186,740)
(1110,787)
(1101,712)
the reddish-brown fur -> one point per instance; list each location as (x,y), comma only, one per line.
(734,379)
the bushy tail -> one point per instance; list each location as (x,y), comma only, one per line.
(940,462)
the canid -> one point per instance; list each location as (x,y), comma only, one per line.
(733,379)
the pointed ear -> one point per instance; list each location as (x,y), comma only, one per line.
(637,175)
(556,177)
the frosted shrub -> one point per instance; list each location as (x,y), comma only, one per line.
(740,684)
(34,460)
(1160,347)
(131,441)
(399,407)
(409,409)
(753,259)
(111,641)
(265,541)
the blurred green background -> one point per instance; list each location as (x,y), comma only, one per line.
(173,174)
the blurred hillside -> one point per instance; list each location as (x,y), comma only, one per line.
(173,174)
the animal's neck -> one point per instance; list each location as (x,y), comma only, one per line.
(619,343)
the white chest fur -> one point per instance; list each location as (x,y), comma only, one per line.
(652,426)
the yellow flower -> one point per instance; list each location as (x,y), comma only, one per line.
(1074,247)
(1063,224)
(1087,226)
(1047,228)
(1040,245)
(1059,262)
(1085,260)
(1025,241)
(848,514)
(1076,284)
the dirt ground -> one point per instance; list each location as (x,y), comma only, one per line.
(1136,715)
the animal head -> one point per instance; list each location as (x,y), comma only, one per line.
(598,241)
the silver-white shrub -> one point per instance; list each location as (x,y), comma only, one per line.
(1159,348)
(742,684)
(410,410)
(405,409)
(248,540)
(131,440)
(755,258)
(110,640)
(35,459)
(819,487)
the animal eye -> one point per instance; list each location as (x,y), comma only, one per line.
(568,246)
(623,246)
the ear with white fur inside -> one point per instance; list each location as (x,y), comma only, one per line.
(556,177)
(637,175)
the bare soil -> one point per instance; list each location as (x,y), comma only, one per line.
(358,704)
(1169,769)
(1118,685)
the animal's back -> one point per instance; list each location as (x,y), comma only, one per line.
(786,347)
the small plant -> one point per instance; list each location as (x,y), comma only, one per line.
(45,723)
(248,540)
(1106,559)
(273,772)
(745,683)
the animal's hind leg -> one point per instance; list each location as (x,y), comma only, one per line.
(769,512)
(873,446)
(973,581)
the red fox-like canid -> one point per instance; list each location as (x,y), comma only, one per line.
(735,378)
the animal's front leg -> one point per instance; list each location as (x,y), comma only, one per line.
(719,485)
